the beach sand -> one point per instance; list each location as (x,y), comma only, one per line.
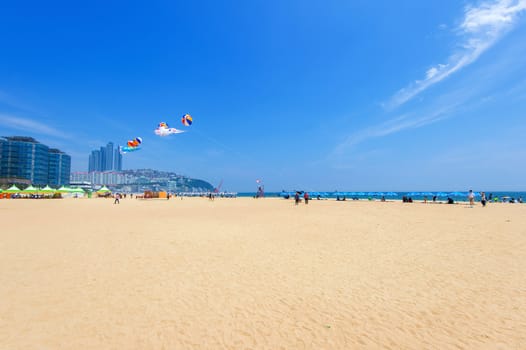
(261,274)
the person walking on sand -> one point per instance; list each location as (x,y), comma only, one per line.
(117,198)
(296,198)
(471,197)
(483,198)
(306,197)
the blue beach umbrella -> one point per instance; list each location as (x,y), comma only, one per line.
(457,194)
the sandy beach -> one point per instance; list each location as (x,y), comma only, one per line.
(261,274)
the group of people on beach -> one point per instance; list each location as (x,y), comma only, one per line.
(297,197)
(484,199)
(490,198)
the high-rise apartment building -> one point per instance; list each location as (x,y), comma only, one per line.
(59,168)
(117,162)
(108,159)
(94,161)
(105,159)
(24,158)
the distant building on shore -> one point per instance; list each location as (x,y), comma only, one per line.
(105,159)
(25,160)
(99,177)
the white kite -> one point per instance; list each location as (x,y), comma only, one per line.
(164,130)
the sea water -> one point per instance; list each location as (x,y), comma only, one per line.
(390,195)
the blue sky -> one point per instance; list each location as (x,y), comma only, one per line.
(317,95)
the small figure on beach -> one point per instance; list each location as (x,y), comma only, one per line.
(306,197)
(297,198)
(450,200)
(117,198)
(483,198)
(471,197)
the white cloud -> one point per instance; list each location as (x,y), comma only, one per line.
(446,105)
(393,126)
(491,16)
(29,126)
(480,29)
(12,101)
(431,72)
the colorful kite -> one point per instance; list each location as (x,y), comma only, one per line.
(131,146)
(135,142)
(187,120)
(164,130)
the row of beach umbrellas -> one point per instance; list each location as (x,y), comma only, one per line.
(439,194)
(338,193)
(381,194)
(48,190)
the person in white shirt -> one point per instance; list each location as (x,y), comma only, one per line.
(471,197)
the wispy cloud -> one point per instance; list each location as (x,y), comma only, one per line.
(11,101)
(29,126)
(467,95)
(393,126)
(482,26)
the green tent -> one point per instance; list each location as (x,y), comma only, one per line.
(29,190)
(64,189)
(47,190)
(77,190)
(13,189)
(104,189)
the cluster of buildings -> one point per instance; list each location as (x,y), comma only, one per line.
(98,178)
(24,160)
(104,168)
(140,180)
(105,159)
